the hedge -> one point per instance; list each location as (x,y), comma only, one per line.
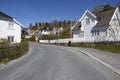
(12,51)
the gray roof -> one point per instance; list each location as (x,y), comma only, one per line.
(104,18)
(5,17)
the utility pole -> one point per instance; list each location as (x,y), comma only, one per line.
(58,32)
(71,27)
(58,36)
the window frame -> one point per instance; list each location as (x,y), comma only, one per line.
(95,32)
(81,34)
(11,39)
(10,25)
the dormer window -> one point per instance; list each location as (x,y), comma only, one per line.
(87,21)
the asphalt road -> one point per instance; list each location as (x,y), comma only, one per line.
(45,62)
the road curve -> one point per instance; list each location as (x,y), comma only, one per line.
(45,62)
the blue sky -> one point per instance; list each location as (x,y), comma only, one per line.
(31,11)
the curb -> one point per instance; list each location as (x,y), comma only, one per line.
(113,69)
(2,65)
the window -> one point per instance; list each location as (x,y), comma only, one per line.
(81,34)
(95,32)
(98,33)
(11,38)
(10,25)
(87,21)
(92,33)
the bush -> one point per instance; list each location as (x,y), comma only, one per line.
(32,38)
(12,51)
(49,37)
(52,37)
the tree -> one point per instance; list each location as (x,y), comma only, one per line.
(37,25)
(30,26)
(107,7)
(118,4)
(47,25)
(55,23)
(97,9)
(69,22)
(65,24)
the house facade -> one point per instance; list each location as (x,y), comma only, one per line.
(10,28)
(45,31)
(55,30)
(104,26)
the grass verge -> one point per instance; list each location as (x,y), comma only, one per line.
(110,48)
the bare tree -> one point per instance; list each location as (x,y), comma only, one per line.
(97,8)
(117,4)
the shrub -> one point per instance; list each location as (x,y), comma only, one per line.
(12,51)
(49,37)
(33,38)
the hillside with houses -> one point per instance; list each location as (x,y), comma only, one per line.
(48,31)
(100,25)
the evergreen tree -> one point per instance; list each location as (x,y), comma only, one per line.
(47,25)
(30,26)
(118,4)
(107,7)
(37,25)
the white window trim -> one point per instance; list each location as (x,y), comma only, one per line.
(11,39)
(81,34)
(95,32)
(10,25)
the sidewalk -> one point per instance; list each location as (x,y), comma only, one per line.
(112,59)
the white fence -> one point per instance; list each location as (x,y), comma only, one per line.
(77,40)
(73,40)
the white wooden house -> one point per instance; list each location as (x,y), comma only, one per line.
(104,26)
(55,30)
(41,32)
(10,28)
(45,31)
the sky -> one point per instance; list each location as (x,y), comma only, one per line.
(31,11)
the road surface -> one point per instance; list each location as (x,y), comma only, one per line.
(45,62)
